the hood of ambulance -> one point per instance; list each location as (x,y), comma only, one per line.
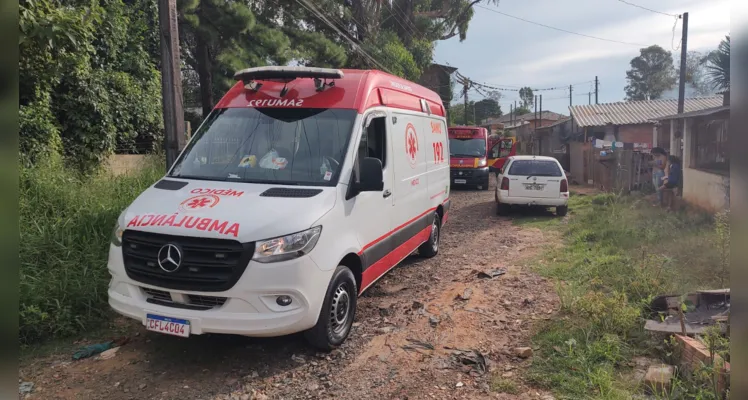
(465,162)
(225,210)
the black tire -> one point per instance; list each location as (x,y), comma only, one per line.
(330,332)
(562,210)
(502,209)
(431,247)
(487,184)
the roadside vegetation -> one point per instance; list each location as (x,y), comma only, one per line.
(619,253)
(66,223)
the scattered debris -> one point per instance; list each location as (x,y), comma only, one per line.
(466,294)
(26,387)
(658,378)
(702,309)
(393,289)
(470,360)
(94,349)
(105,355)
(418,345)
(491,274)
(460,384)
(298,359)
(528,301)
(434,321)
(523,352)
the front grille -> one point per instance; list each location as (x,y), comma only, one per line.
(466,173)
(157,294)
(208,265)
(194,302)
(206,301)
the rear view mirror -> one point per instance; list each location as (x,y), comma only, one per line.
(371,179)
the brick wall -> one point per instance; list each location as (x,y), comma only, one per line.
(694,354)
(640,133)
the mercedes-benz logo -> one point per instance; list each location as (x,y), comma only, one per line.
(169,257)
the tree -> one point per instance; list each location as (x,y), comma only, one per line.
(522,110)
(457,114)
(696,73)
(486,108)
(651,74)
(718,65)
(527,97)
(88,81)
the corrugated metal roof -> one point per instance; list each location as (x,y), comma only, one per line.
(698,113)
(637,112)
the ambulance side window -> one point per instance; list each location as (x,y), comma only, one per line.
(374,141)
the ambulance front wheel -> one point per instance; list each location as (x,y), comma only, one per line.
(431,247)
(338,311)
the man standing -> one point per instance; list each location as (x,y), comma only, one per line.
(659,163)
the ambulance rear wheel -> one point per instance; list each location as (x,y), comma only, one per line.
(431,247)
(338,311)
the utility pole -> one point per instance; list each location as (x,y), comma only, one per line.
(514,117)
(683,54)
(540,115)
(596,83)
(465,87)
(589,98)
(570,89)
(536,111)
(171,81)
(511,113)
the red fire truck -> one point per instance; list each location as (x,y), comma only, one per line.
(473,156)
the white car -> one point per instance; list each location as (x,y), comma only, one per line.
(532,181)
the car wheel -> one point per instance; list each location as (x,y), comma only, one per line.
(562,210)
(431,247)
(502,209)
(486,184)
(338,311)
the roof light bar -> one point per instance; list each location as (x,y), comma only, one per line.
(286,74)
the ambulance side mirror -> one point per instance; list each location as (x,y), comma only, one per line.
(371,179)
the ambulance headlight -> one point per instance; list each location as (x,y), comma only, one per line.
(482,162)
(117,235)
(287,247)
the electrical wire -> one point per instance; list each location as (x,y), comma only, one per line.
(311,8)
(648,9)
(559,29)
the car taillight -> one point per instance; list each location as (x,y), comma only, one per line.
(564,186)
(505,183)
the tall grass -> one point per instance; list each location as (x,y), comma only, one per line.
(66,221)
(620,252)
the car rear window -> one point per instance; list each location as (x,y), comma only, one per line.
(535,168)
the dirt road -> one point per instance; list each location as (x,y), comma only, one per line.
(405,343)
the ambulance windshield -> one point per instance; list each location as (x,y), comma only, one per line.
(467,147)
(286,146)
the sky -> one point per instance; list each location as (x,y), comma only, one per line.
(505,52)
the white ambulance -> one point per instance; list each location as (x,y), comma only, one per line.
(300,189)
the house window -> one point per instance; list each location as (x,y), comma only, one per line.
(709,150)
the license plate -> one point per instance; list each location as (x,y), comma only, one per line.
(534,186)
(169,326)
(462,181)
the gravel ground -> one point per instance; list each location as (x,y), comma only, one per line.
(429,329)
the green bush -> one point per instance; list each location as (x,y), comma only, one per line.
(66,223)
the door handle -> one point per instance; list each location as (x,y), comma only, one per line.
(386,193)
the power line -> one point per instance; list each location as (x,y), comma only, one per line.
(645,8)
(311,8)
(559,29)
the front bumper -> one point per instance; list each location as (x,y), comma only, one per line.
(248,308)
(471,176)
